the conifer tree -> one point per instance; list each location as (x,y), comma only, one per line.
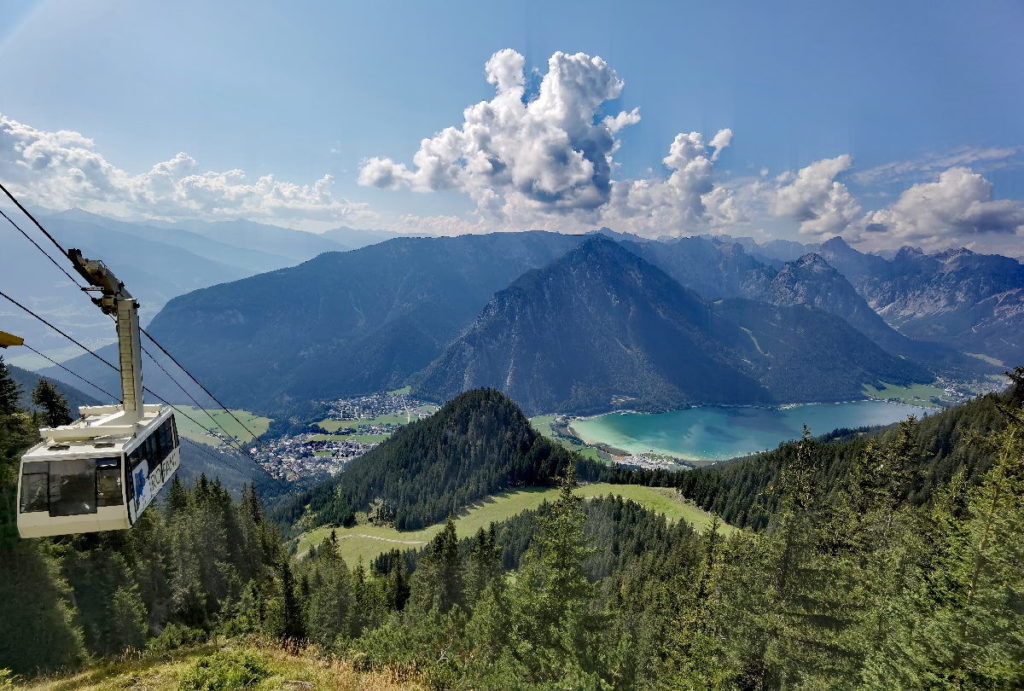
(55,411)
(970,623)
(9,390)
(177,499)
(438,581)
(330,596)
(556,631)
(397,588)
(292,628)
(484,568)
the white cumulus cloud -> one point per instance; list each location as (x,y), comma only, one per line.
(958,208)
(547,158)
(62,169)
(551,153)
(684,201)
(815,199)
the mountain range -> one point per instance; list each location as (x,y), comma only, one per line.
(342,323)
(974,302)
(449,313)
(601,328)
(157,260)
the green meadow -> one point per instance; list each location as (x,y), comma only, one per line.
(366,541)
(914,394)
(542,423)
(190,430)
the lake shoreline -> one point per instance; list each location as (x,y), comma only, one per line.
(715,433)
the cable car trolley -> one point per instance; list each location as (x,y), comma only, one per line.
(101,471)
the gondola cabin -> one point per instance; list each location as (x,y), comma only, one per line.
(101,471)
(75,482)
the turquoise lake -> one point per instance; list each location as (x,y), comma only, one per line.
(716,433)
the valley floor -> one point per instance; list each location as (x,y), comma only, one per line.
(366,541)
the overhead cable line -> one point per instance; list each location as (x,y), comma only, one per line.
(73,374)
(198,424)
(32,218)
(198,383)
(151,338)
(192,398)
(45,253)
(108,363)
(58,330)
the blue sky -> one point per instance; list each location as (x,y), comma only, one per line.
(303,90)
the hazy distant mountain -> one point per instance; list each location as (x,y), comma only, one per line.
(973,302)
(154,271)
(602,328)
(156,260)
(292,246)
(772,251)
(354,238)
(342,323)
(720,268)
(810,280)
(245,258)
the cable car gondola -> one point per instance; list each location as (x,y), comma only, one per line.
(101,471)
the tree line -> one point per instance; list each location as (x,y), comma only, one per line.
(871,569)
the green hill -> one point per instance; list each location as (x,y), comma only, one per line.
(476,445)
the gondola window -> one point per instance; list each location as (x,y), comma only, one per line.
(72,487)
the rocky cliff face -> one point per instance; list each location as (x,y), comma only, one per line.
(602,328)
(973,302)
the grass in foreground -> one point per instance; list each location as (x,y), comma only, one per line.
(190,430)
(367,541)
(279,669)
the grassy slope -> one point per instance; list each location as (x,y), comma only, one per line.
(164,671)
(190,430)
(542,423)
(367,541)
(914,394)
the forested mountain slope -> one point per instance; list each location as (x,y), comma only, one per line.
(27,382)
(477,444)
(602,328)
(343,323)
(941,446)
(235,470)
(849,584)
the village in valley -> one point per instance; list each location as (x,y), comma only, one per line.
(352,427)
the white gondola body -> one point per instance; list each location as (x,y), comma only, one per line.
(98,481)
